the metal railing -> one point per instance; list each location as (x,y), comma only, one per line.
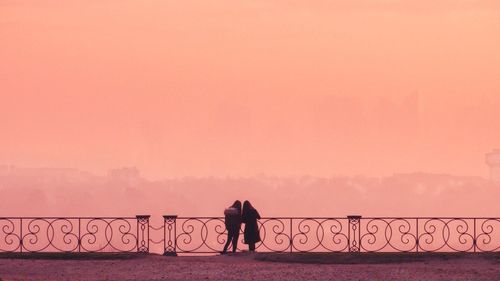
(204,235)
(207,235)
(74,234)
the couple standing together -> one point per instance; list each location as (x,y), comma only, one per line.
(233,217)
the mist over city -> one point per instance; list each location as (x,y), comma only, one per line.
(124,191)
(249,140)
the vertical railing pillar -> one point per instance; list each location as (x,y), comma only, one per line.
(417,238)
(143,233)
(21,238)
(170,235)
(354,233)
(475,236)
(79,235)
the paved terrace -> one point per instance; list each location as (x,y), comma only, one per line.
(245,266)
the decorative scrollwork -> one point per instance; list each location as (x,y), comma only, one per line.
(202,235)
(10,240)
(389,234)
(109,235)
(447,234)
(320,234)
(351,234)
(68,234)
(274,235)
(488,236)
(285,234)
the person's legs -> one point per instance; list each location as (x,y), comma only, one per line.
(235,241)
(251,247)
(229,239)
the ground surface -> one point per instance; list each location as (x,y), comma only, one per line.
(248,267)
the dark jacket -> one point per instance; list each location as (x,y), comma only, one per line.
(251,227)
(232,219)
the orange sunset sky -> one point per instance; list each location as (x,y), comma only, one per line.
(239,88)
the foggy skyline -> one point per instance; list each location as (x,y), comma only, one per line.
(72,192)
(284,88)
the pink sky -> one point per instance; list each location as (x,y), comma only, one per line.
(216,88)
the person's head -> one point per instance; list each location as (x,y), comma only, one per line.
(237,205)
(247,206)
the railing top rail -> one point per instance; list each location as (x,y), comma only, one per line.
(430,218)
(95,218)
(221,217)
(284,218)
(395,218)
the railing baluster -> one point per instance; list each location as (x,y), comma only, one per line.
(354,224)
(164,234)
(79,235)
(21,235)
(475,238)
(170,222)
(416,237)
(143,233)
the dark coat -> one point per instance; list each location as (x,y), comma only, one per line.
(232,220)
(251,232)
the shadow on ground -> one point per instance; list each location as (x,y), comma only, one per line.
(72,256)
(369,258)
(306,258)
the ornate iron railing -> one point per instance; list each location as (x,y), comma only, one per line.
(74,234)
(207,235)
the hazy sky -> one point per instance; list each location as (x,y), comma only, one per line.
(216,88)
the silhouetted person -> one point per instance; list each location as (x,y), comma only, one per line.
(251,233)
(232,220)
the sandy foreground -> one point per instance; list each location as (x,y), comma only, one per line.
(242,267)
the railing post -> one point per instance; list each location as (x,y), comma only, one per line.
(170,235)
(143,233)
(475,237)
(21,235)
(354,233)
(79,235)
(417,239)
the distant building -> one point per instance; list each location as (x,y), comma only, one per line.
(5,169)
(125,175)
(493,161)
